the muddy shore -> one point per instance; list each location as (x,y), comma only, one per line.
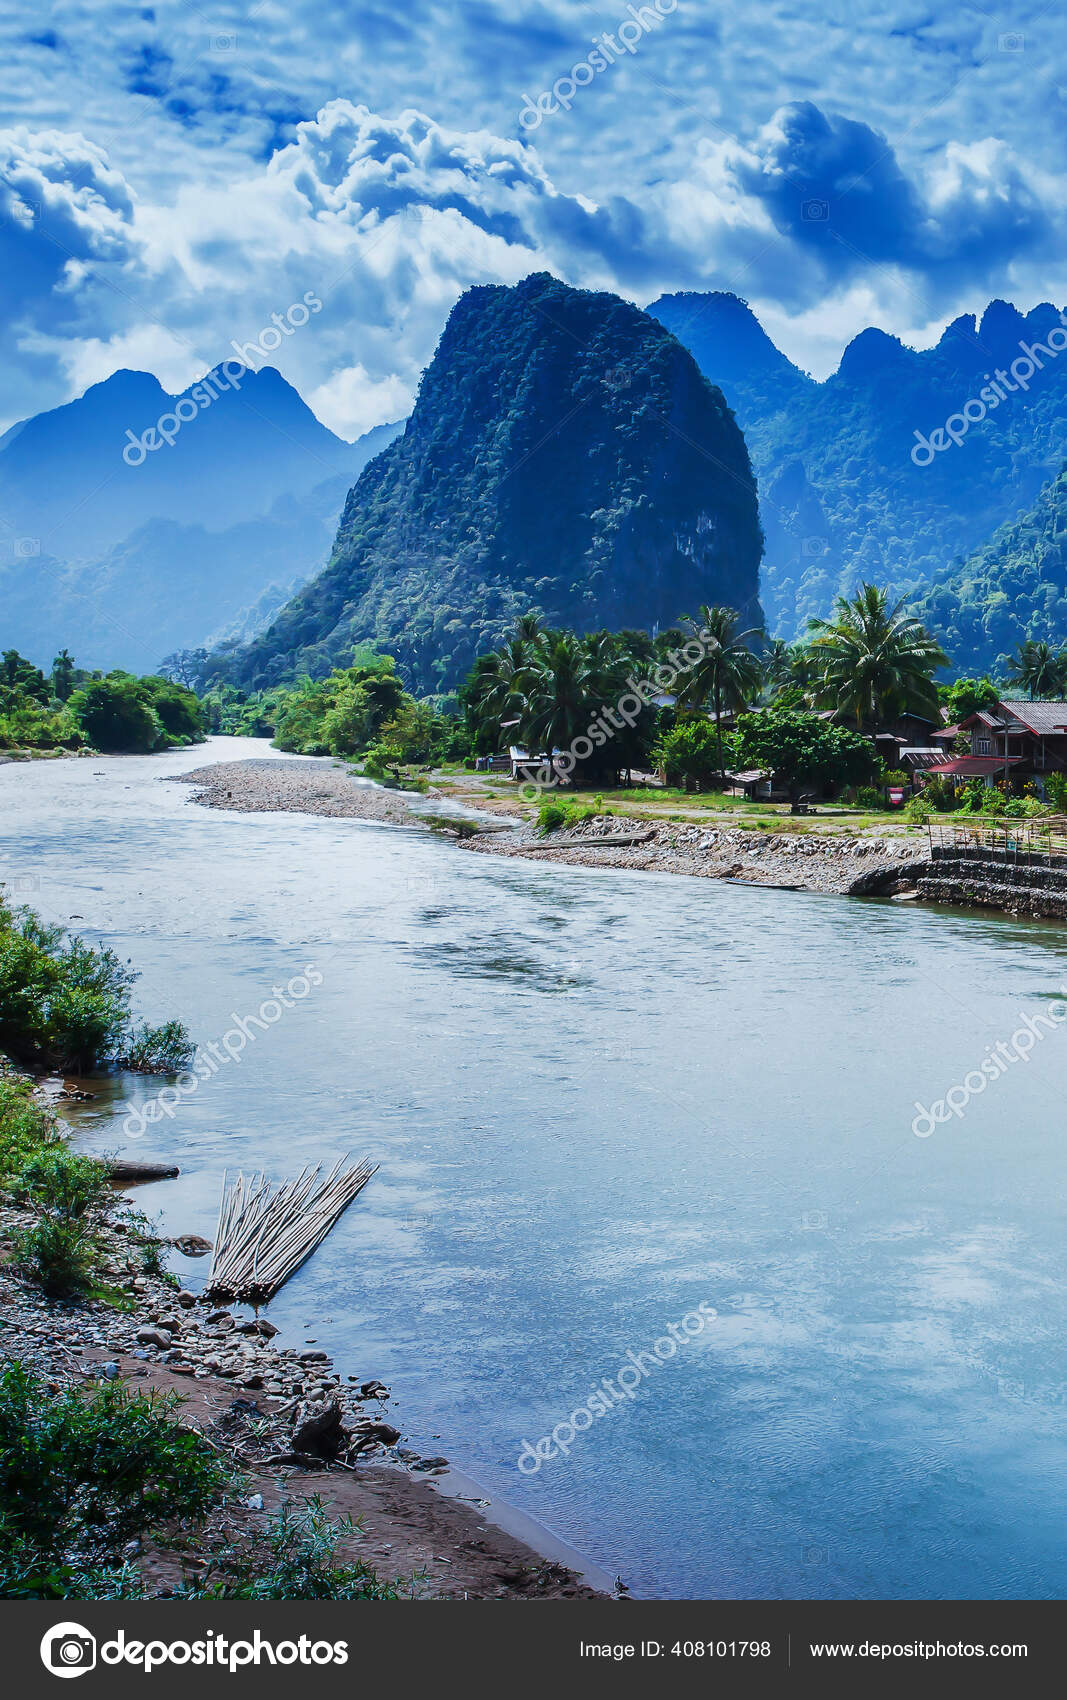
(251,1399)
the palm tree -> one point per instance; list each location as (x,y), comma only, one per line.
(558,689)
(498,692)
(728,673)
(1039,670)
(874,661)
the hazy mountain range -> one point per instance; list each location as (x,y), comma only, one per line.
(564,453)
(124,552)
(841,497)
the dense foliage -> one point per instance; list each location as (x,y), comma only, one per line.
(83,1473)
(66,1004)
(874,662)
(72,709)
(547,689)
(804,751)
(1011,590)
(564,454)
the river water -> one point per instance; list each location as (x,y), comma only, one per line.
(599,1099)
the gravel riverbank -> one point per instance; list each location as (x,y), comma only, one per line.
(299,786)
(803,861)
(790,860)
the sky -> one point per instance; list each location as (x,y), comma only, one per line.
(316,182)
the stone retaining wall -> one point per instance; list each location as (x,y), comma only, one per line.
(993,879)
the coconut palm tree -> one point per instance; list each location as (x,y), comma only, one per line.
(729,673)
(1039,670)
(874,661)
(498,691)
(559,689)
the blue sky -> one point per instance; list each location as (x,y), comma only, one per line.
(175,178)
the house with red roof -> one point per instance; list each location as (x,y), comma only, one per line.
(1023,740)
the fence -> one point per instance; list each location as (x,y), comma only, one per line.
(1043,838)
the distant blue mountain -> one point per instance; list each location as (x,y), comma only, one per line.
(841,498)
(124,552)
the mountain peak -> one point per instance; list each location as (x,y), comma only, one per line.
(871,353)
(653,505)
(729,345)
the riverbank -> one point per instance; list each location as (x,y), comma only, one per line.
(783,861)
(824,861)
(296,786)
(281,1418)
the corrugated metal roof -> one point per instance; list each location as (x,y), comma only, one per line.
(1041,717)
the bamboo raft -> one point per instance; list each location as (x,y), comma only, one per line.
(265,1233)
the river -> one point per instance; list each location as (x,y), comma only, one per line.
(599,1099)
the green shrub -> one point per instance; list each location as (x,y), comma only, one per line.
(869,797)
(83,1474)
(550,817)
(58,1254)
(117,716)
(553,815)
(1056,791)
(57,1178)
(918,808)
(155,1050)
(303,1542)
(66,1004)
(26,1130)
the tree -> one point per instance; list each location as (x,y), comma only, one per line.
(1039,670)
(965,696)
(804,750)
(558,709)
(689,755)
(63,675)
(728,675)
(874,661)
(117,717)
(22,676)
(178,709)
(185,666)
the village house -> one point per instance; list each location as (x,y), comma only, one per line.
(1026,740)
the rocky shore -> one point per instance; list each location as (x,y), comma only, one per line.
(281,1416)
(796,861)
(299,786)
(793,861)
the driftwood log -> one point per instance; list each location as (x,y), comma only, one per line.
(119,1169)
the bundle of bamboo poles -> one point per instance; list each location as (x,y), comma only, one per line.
(265,1233)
